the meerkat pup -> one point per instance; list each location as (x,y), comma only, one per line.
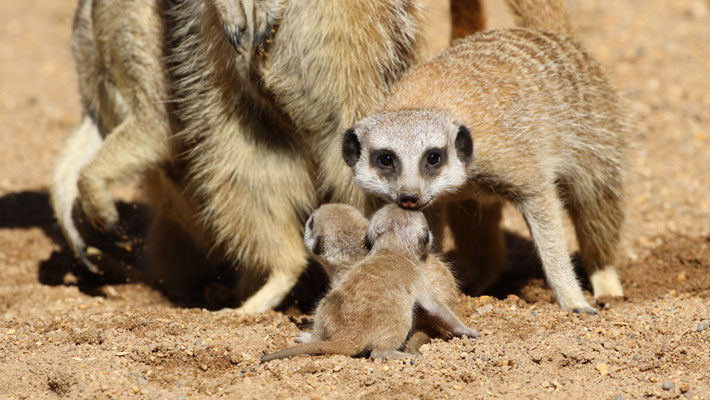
(371,308)
(335,237)
(524,115)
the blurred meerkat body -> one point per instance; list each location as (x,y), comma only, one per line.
(235,147)
(524,115)
(371,308)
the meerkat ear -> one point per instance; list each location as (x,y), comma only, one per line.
(464,144)
(368,242)
(351,147)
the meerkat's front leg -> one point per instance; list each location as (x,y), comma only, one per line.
(543,214)
(130,149)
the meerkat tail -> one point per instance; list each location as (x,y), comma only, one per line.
(342,347)
(547,15)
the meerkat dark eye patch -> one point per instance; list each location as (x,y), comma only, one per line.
(433,160)
(318,246)
(464,144)
(351,147)
(310,224)
(385,161)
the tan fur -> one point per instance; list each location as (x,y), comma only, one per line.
(335,236)
(547,131)
(235,147)
(371,309)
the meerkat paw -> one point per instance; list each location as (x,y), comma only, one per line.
(466,331)
(303,337)
(576,303)
(97,204)
(249,24)
(606,283)
(389,354)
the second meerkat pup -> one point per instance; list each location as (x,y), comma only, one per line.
(524,115)
(371,308)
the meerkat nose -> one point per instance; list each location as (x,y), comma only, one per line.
(409,200)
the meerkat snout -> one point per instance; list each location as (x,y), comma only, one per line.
(409,200)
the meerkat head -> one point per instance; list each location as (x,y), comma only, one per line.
(396,228)
(408,157)
(335,236)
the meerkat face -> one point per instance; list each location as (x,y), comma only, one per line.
(408,157)
(396,228)
(335,235)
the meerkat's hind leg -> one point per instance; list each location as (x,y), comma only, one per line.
(388,354)
(277,286)
(83,143)
(543,213)
(445,318)
(597,213)
(416,341)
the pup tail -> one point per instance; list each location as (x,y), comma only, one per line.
(543,15)
(343,347)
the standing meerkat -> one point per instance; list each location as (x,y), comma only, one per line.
(371,308)
(235,147)
(524,115)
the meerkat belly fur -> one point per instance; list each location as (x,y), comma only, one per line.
(236,147)
(524,115)
(335,236)
(371,308)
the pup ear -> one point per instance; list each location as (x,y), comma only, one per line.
(351,147)
(464,144)
(368,242)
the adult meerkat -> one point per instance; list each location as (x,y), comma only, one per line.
(524,115)
(371,309)
(335,236)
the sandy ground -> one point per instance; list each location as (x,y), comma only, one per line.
(63,339)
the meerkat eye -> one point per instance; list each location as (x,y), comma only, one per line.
(433,158)
(385,159)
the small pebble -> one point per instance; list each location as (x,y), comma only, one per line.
(142,380)
(684,388)
(668,385)
(369,381)
(603,369)
(484,309)
(533,313)
(637,357)
(619,397)
(702,326)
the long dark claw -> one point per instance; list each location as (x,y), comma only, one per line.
(234,36)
